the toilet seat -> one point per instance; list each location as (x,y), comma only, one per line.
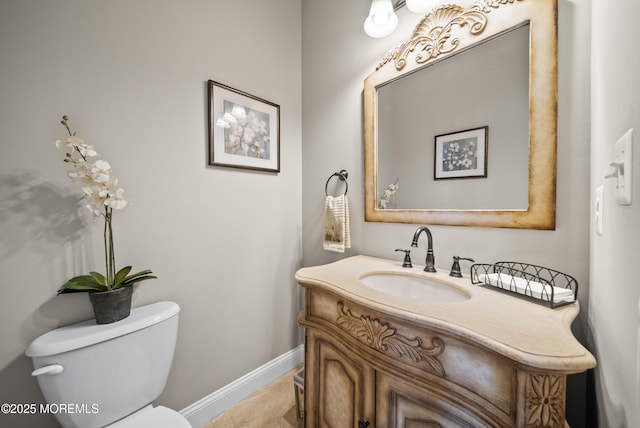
(153,417)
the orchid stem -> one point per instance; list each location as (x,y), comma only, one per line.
(112,255)
(106,252)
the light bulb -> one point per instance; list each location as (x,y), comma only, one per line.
(382,20)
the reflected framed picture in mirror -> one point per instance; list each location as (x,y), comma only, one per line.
(462,154)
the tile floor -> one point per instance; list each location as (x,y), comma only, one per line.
(272,407)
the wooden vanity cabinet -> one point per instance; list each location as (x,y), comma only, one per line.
(401,404)
(350,393)
(368,368)
(339,386)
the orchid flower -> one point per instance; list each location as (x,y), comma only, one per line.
(101,196)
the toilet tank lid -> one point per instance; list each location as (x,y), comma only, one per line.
(87,333)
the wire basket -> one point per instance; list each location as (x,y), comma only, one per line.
(535,283)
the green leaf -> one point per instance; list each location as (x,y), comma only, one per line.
(81,287)
(84,280)
(131,281)
(139,277)
(96,281)
(83,283)
(81,278)
(100,279)
(121,275)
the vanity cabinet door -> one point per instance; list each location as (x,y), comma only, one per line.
(339,388)
(400,404)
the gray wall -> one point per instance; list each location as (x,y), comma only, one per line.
(493,75)
(336,60)
(337,57)
(614,311)
(225,243)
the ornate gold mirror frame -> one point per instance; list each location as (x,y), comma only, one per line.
(451,29)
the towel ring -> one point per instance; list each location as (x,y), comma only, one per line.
(342,175)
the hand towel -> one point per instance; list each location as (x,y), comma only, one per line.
(529,288)
(337,236)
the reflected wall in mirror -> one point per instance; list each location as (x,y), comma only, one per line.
(492,64)
(409,121)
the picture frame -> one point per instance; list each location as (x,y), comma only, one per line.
(461,154)
(244,130)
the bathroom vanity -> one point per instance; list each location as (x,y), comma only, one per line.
(388,346)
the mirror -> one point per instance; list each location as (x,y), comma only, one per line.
(460,120)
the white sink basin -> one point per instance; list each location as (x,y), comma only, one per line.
(413,287)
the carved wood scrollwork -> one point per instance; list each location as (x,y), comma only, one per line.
(486,4)
(433,34)
(381,337)
(544,401)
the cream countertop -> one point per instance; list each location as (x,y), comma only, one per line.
(523,331)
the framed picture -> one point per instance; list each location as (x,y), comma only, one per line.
(244,130)
(462,154)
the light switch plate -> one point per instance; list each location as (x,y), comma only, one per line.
(623,155)
(599,210)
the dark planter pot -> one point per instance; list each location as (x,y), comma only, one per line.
(111,306)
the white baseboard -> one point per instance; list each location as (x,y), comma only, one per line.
(207,408)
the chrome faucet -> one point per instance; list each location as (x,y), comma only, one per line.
(431,260)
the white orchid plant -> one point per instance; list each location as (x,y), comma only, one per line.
(102,196)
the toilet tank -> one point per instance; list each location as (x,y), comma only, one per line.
(108,370)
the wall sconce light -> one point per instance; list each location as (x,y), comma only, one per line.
(382,19)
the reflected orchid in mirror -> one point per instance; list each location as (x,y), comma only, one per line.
(386,199)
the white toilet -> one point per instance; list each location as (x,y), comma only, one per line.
(108,374)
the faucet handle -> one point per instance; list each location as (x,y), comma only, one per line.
(406,263)
(455,268)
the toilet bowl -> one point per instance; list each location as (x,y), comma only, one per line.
(107,375)
(160,417)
